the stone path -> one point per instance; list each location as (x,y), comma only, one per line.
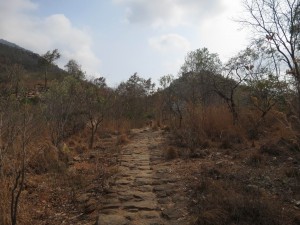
(146,191)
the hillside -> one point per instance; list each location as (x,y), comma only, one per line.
(22,69)
(11,53)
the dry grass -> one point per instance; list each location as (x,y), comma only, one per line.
(5,202)
(206,125)
(228,203)
(170,153)
(122,139)
(55,190)
(166,128)
(155,126)
(255,159)
(292,172)
(48,159)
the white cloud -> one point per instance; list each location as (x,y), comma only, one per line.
(222,34)
(17,5)
(42,34)
(169,42)
(172,67)
(161,13)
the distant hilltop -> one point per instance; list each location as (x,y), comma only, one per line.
(10,44)
(11,53)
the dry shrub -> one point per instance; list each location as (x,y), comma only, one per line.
(72,143)
(226,144)
(188,137)
(124,126)
(155,126)
(292,172)
(105,135)
(271,149)
(158,123)
(80,149)
(255,159)
(84,134)
(75,180)
(170,153)
(274,124)
(216,120)
(48,159)
(122,139)
(200,152)
(231,204)
(5,196)
(208,123)
(108,126)
(166,128)
(212,217)
(291,144)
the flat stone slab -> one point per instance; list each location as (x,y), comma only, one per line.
(111,220)
(145,191)
(143,181)
(172,213)
(123,181)
(142,205)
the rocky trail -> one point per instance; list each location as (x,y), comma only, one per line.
(146,190)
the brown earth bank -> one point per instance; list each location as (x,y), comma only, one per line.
(144,177)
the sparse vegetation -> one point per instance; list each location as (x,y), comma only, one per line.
(234,126)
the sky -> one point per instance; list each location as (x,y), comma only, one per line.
(116,38)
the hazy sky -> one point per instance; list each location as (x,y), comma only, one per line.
(115,38)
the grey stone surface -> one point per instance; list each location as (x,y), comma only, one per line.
(144,187)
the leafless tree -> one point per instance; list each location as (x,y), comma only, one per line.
(97,102)
(17,131)
(278,23)
(14,72)
(236,71)
(61,102)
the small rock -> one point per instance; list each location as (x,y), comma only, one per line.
(219,163)
(76,159)
(82,198)
(171,213)
(91,206)
(92,156)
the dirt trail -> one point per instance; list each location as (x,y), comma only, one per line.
(146,190)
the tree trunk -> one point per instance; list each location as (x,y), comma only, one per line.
(92,137)
(235,116)
(46,72)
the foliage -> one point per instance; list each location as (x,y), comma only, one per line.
(47,60)
(60,106)
(97,101)
(133,96)
(201,60)
(74,69)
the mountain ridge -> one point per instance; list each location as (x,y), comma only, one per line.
(11,53)
(11,44)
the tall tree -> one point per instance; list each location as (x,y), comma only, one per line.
(97,102)
(277,22)
(74,69)
(61,103)
(201,60)
(235,72)
(48,59)
(15,72)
